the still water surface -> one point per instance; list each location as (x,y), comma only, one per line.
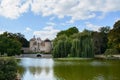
(49,69)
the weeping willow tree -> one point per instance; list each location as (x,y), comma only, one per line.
(77,45)
(87,46)
(83,46)
(76,48)
(61,49)
(67,47)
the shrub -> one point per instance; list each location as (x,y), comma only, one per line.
(8,69)
(111,52)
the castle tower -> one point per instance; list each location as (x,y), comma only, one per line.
(33,43)
(48,46)
(38,44)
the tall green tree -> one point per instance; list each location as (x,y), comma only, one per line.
(82,46)
(100,40)
(17,36)
(77,45)
(61,49)
(87,46)
(62,37)
(114,37)
(62,46)
(68,32)
(76,48)
(104,29)
(9,46)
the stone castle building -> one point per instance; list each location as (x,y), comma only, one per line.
(38,45)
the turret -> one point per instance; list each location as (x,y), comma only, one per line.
(48,46)
(33,44)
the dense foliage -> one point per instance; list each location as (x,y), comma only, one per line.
(83,46)
(8,69)
(76,45)
(17,36)
(100,40)
(68,32)
(87,43)
(9,46)
(62,49)
(114,37)
(111,52)
(11,43)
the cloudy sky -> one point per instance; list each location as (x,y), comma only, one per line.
(44,18)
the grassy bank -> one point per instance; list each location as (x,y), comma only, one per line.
(73,58)
(96,57)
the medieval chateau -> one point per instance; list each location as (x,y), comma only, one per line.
(38,45)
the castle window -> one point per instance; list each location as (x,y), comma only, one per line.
(35,43)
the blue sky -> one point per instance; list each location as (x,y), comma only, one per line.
(45,18)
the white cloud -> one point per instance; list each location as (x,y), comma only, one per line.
(102,16)
(47,32)
(91,26)
(28,29)
(76,9)
(51,23)
(52,18)
(13,8)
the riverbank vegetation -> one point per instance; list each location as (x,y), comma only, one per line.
(85,44)
(8,68)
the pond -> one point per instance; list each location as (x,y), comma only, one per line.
(50,69)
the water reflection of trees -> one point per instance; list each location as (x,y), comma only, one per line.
(21,70)
(38,70)
(42,73)
(72,70)
(35,70)
(87,72)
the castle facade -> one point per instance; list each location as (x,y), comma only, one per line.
(38,45)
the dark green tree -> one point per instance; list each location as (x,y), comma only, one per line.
(68,32)
(17,36)
(104,29)
(76,48)
(87,46)
(61,49)
(116,25)
(82,45)
(114,37)
(100,40)
(9,46)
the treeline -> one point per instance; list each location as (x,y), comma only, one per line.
(72,43)
(11,43)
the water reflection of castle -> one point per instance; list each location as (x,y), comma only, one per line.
(38,45)
(37,69)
